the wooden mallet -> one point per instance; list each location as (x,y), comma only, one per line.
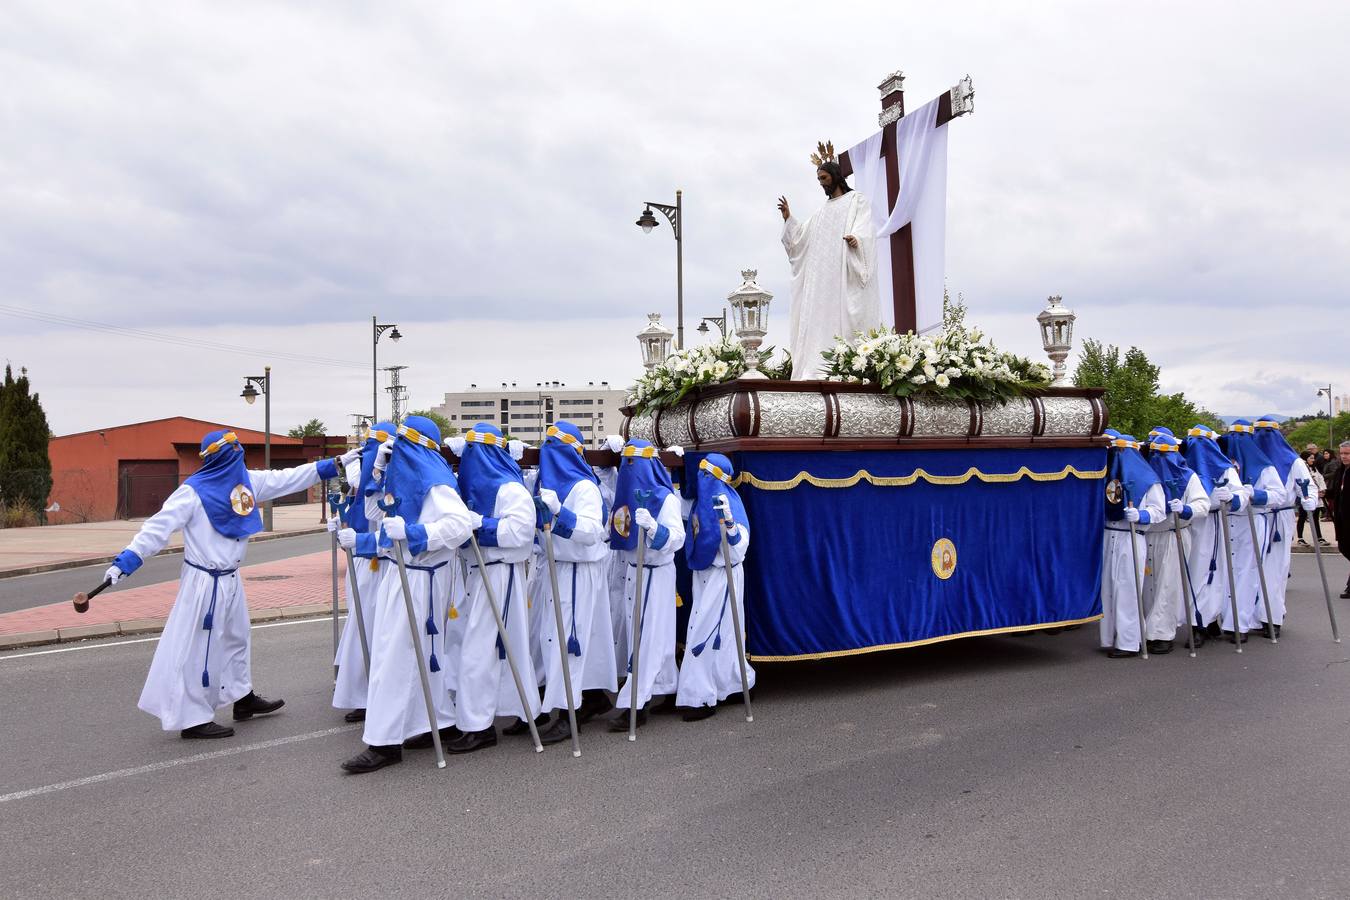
(81,599)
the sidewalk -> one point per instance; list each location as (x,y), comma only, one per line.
(290,588)
(27,551)
(1328,532)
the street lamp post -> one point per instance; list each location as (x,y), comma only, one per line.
(719,321)
(675,214)
(1331,434)
(250,393)
(376,329)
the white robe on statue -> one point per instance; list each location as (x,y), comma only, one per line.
(657,673)
(485,687)
(173,689)
(834,288)
(1164,603)
(711,669)
(396,708)
(1120,626)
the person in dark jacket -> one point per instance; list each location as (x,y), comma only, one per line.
(1338,501)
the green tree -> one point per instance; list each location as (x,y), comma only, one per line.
(1314,431)
(1133,399)
(25,467)
(441,421)
(312,428)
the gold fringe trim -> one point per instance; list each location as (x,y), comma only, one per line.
(858,651)
(906,480)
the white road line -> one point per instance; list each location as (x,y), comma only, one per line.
(155,638)
(171,763)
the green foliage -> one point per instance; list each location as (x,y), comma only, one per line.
(312,428)
(1133,399)
(25,467)
(441,421)
(1314,431)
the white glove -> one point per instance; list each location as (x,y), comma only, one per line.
(1175,506)
(382,456)
(516,449)
(1309,503)
(723,506)
(1223,494)
(676,449)
(395,528)
(614,443)
(350,457)
(1131,514)
(346,538)
(113,574)
(456,444)
(476,520)
(333,525)
(645,521)
(551,500)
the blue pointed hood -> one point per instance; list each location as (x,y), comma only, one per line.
(1205,458)
(416,466)
(712,479)
(562,460)
(1241,447)
(639,470)
(224,488)
(1129,477)
(485,467)
(370,445)
(1273,444)
(1168,464)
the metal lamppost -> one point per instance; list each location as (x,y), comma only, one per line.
(1331,418)
(750,305)
(647,222)
(1057,337)
(655,342)
(250,393)
(376,329)
(719,321)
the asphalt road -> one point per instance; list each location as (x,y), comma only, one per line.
(25,591)
(994,767)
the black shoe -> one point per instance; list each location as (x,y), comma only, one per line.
(698,713)
(423,741)
(1213,629)
(666,707)
(251,704)
(1302,542)
(356,715)
(1160,647)
(519,727)
(1345,594)
(469,741)
(1265,633)
(593,703)
(1197,637)
(1113,653)
(372,758)
(1229,636)
(619,723)
(206,731)
(559,731)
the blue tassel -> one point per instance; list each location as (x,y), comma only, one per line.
(206,679)
(698,649)
(207,621)
(431,628)
(435,665)
(717,641)
(574,646)
(501,651)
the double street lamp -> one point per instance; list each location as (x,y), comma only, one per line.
(647,222)
(250,393)
(376,329)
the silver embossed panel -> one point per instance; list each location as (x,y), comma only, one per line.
(940,418)
(1016,418)
(642,428)
(674,426)
(868,416)
(712,418)
(1067,416)
(794,414)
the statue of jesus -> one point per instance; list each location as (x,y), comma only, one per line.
(833,258)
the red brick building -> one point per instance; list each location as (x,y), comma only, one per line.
(127,471)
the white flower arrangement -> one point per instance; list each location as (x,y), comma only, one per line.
(666,384)
(959,363)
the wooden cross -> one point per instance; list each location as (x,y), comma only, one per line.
(955,102)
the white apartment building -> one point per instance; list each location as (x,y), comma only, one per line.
(525,411)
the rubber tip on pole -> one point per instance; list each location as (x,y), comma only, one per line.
(440,764)
(632,737)
(1192,654)
(576,754)
(749,718)
(538,748)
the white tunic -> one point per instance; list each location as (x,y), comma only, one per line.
(657,671)
(834,289)
(349,691)
(1164,604)
(711,670)
(1280,539)
(1120,598)
(1251,604)
(1208,566)
(188,653)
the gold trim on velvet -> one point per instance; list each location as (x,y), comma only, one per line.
(858,651)
(907,480)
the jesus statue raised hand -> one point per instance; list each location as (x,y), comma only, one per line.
(833,258)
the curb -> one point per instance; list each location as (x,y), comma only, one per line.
(40,568)
(134,627)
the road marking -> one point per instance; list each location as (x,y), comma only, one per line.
(171,763)
(149,639)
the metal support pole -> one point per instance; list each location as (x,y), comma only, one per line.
(1322,569)
(736,620)
(679,270)
(1138,591)
(506,641)
(267,440)
(562,641)
(637,639)
(1260,551)
(432,722)
(1232,582)
(374,370)
(333,556)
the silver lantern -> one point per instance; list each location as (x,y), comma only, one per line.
(750,308)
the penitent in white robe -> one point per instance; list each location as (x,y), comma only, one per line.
(1120,626)
(711,669)
(1164,601)
(1246,575)
(1208,569)
(834,288)
(349,690)
(173,689)
(1280,542)
(656,664)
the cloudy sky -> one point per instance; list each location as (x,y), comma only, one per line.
(266,176)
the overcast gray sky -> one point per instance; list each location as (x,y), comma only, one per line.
(267,176)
